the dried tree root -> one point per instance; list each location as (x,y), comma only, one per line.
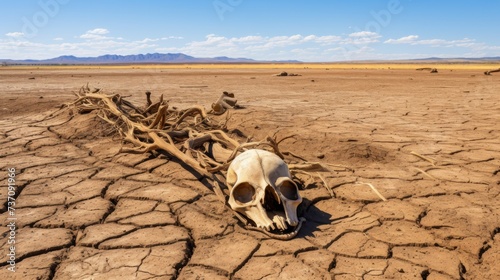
(157,128)
(226,101)
(491,71)
(308,166)
(432,70)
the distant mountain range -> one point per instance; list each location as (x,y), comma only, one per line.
(493,59)
(460,59)
(159,58)
(137,59)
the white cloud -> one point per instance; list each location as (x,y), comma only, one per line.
(350,52)
(414,40)
(364,34)
(309,47)
(172,37)
(484,47)
(15,34)
(93,42)
(150,40)
(403,40)
(296,46)
(15,49)
(98,31)
(147,40)
(327,40)
(301,47)
(446,43)
(361,38)
(472,47)
(95,34)
(214,43)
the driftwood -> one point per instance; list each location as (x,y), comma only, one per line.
(226,101)
(491,71)
(181,133)
(432,70)
(286,74)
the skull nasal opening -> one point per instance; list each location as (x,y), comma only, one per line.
(271,200)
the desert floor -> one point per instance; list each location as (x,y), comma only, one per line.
(428,142)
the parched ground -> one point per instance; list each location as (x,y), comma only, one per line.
(85,211)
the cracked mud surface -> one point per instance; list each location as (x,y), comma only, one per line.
(86,212)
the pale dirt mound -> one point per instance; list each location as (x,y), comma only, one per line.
(82,126)
(85,211)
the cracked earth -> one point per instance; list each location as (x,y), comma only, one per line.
(429,143)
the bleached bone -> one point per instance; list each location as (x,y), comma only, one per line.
(261,188)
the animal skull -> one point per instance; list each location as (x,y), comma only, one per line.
(262,189)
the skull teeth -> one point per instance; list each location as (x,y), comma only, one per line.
(280,222)
(279,219)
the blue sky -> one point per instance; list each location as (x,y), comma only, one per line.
(267,30)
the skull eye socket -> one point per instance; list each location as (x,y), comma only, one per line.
(289,190)
(244,193)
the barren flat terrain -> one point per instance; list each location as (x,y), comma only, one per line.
(429,143)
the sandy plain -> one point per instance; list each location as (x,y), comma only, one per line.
(85,211)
